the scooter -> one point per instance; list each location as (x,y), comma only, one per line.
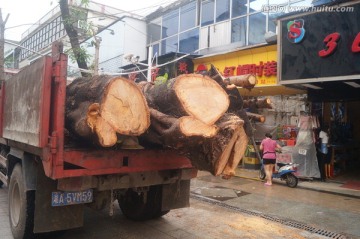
(285,172)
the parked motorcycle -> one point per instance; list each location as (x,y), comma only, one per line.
(285,172)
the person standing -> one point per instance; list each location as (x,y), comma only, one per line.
(324,164)
(269,146)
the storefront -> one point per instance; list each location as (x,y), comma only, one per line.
(320,51)
(287,102)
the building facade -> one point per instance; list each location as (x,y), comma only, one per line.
(323,57)
(91,20)
(209,26)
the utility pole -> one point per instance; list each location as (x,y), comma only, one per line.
(150,55)
(2,45)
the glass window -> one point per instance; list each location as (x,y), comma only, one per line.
(257,5)
(156,50)
(278,2)
(207,12)
(169,45)
(154,31)
(187,16)
(170,23)
(272,24)
(303,3)
(238,30)
(189,41)
(222,10)
(239,8)
(257,24)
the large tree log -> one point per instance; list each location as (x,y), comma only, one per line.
(100,107)
(256,117)
(175,132)
(247,81)
(238,152)
(190,94)
(259,103)
(213,154)
(208,147)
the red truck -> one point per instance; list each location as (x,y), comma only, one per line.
(50,182)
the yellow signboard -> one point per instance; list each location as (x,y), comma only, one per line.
(261,61)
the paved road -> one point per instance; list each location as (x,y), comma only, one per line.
(238,208)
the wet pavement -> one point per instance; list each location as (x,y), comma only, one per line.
(241,207)
(338,186)
(326,208)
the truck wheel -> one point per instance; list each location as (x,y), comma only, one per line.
(1,171)
(142,206)
(291,180)
(21,206)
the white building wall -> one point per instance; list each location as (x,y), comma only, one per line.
(124,37)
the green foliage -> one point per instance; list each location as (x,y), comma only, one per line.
(80,53)
(9,62)
(85,3)
(161,79)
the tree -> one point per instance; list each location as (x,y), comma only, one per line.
(68,21)
(2,43)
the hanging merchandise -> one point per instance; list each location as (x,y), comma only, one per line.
(304,151)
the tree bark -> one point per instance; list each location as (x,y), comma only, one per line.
(175,132)
(72,34)
(100,107)
(261,103)
(213,154)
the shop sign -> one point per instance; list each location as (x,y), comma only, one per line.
(183,66)
(267,69)
(296,31)
(330,47)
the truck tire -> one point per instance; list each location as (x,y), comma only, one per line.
(141,207)
(2,170)
(21,206)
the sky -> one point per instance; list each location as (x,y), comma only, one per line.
(23,13)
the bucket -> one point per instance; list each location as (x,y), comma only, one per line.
(250,159)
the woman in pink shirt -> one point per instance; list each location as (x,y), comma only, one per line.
(268,146)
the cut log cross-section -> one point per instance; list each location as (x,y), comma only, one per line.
(100,107)
(189,95)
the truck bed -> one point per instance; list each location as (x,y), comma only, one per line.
(32,117)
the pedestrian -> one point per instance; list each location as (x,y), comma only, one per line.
(269,146)
(324,159)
